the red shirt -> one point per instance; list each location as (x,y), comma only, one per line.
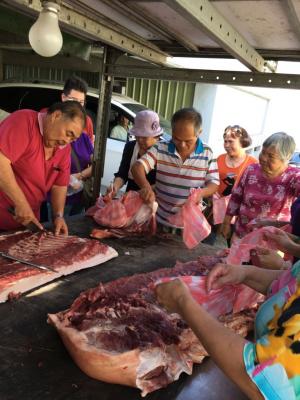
(89,129)
(22,143)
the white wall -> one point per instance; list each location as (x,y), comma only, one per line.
(204,101)
(284,113)
(222,105)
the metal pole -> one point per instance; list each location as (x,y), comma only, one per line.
(110,56)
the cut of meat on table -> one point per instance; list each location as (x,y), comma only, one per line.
(64,254)
(118,333)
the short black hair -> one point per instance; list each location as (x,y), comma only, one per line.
(70,109)
(188,114)
(75,83)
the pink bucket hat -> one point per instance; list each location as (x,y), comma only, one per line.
(146,123)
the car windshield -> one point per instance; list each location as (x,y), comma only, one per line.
(165,124)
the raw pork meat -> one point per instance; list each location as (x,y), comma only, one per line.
(64,254)
(118,333)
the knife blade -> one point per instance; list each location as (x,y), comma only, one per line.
(43,267)
(32,227)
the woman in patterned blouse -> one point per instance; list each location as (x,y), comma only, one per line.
(266,190)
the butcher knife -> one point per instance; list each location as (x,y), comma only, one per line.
(43,267)
(32,227)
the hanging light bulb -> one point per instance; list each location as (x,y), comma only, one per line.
(44,36)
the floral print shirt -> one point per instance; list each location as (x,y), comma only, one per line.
(273,360)
(257,196)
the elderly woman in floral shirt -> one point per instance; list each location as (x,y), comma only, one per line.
(266,190)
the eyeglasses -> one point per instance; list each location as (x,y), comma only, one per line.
(70,98)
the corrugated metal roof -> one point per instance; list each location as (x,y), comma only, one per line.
(244,29)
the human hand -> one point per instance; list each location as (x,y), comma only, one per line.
(261,222)
(225,230)
(24,215)
(60,226)
(172,294)
(75,182)
(266,258)
(224,274)
(147,195)
(111,191)
(282,240)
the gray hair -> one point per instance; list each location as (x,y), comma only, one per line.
(283,143)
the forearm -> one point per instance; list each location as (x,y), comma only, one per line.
(294,248)
(209,190)
(224,346)
(139,175)
(259,279)
(58,199)
(8,183)
(86,173)
(118,183)
(227,219)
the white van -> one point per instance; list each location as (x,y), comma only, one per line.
(15,96)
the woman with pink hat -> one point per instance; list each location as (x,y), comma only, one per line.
(147,131)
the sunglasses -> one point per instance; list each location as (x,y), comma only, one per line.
(238,131)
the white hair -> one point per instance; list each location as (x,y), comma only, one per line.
(284,144)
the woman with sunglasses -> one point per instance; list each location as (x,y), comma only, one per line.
(232,164)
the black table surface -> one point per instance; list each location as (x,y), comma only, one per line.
(34,364)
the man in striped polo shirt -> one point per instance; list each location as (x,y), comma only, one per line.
(183,163)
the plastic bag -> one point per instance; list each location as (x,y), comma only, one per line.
(75,186)
(219,207)
(195,226)
(219,301)
(128,212)
(240,249)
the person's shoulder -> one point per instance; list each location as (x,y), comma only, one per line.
(221,157)
(84,137)
(252,159)
(26,113)
(207,148)
(254,167)
(130,143)
(293,170)
(23,117)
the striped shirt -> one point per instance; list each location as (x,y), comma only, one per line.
(175,178)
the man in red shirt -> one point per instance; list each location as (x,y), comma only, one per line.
(35,159)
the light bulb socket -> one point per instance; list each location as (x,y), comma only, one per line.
(51,6)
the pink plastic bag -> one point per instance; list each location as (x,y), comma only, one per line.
(128,213)
(219,301)
(112,215)
(246,298)
(195,225)
(219,207)
(240,249)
